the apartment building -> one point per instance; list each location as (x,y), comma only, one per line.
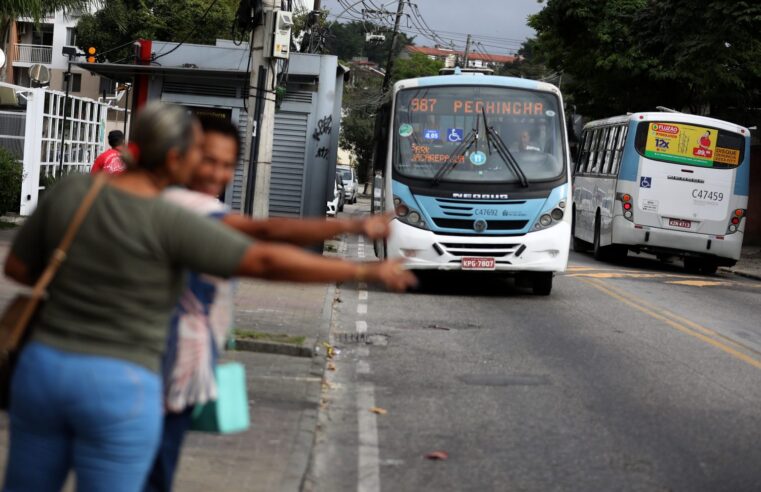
(43,43)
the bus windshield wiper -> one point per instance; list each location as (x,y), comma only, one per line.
(492,137)
(467,142)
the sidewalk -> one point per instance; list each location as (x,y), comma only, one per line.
(749,264)
(284,392)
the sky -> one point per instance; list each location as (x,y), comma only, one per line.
(498,25)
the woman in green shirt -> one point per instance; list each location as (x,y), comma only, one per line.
(86,391)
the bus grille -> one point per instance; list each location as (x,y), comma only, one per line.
(493,225)
(487,250)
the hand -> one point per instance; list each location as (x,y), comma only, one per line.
(392,274)
(376,226)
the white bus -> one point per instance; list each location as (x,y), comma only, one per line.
(671,184)
(477,172)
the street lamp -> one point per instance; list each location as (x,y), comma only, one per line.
(70,52)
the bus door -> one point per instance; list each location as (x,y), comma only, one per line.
(686,176)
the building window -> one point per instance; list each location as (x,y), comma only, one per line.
(76,82)
(107,86)
(71,36)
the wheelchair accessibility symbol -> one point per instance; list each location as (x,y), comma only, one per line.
(645,182)
(455,135)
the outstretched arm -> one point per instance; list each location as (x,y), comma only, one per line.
(284,262)
(305,232)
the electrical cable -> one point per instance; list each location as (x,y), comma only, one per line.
(192,31)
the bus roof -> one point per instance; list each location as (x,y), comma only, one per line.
(469,79)
(675,117)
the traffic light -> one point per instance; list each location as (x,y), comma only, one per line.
(91,52)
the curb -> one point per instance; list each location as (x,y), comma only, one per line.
(300,463)
(246,345)
(741,273)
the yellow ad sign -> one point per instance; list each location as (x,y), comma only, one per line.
(686,144)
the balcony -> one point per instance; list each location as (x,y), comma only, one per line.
(33,53)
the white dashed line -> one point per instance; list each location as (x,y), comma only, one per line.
(361,308)
(363,352)
(362,295)
(368,479)
(361,326)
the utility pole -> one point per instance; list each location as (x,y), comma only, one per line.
(467,52)
(261,118)
(390,61)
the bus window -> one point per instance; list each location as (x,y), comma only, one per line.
(600,157)
(594,138)
(586,141)
(609,150)
(623,131)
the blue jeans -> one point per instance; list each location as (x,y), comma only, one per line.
(161,477)
(100,416)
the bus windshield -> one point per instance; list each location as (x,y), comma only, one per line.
(437,127)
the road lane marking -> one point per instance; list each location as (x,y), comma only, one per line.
(363,352)
(362,295)
(697,331)
(698,283)
(361,326)
(361,308)
(368,457)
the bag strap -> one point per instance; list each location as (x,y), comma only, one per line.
(59,254)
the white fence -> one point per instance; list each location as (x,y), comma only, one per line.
(33,53)
(45,139)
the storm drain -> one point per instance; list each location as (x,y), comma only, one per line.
(361,339)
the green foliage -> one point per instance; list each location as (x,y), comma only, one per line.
(417,65)
(360,106)
(11,175)
(631,55)
(526,64)
(348,41)
(120,22)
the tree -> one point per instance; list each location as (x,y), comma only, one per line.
(631,55)
(120,22)
(360,106)
(526,65)
(417,65)
(10,10)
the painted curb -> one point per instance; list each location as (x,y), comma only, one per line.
(247,345)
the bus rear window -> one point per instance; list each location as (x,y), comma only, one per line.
(691,145)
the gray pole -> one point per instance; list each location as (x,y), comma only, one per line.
(260,169)
(467,52)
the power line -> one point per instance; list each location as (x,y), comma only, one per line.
(192,31)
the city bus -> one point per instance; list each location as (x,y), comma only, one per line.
(476,172)
(666,183)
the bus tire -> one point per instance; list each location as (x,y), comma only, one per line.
(598,251)
(541,283)
(692,265)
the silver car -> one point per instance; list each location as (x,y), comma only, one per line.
(350,182)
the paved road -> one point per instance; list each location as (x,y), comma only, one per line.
(631,376)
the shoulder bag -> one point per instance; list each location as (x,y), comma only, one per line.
(18,316)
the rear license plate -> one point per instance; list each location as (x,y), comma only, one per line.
(478,263)
(686,224)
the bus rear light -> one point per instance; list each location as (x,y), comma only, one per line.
(733,228)
(735,220)
(627,198)
(627,206)
(628,214)
(739,212)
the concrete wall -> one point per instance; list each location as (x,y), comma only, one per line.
(753,226)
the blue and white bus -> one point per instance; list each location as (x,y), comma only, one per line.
(666,183)
(477,173)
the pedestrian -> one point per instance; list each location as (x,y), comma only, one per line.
(111,161)
(202,320)
(85,393)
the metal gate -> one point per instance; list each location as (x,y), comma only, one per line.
(288,152)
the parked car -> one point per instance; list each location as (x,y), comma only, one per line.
(339,197)
(351,184)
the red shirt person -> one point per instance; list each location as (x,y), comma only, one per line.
(111,161)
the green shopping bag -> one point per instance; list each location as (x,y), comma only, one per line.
(229,413)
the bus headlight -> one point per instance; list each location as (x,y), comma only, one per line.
(407,215)
(557,214)
(552,217)
(545,220)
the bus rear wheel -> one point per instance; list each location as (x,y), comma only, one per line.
(541,283)
(577,244)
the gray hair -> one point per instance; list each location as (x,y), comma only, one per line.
(159,128)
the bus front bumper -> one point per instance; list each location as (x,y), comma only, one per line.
(541,251)
(657,240)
